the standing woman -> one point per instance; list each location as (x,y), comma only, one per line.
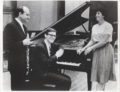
(103,53)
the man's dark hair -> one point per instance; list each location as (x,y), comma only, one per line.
(17,11)
(50,30)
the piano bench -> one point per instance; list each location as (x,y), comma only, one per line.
(48,86)
(41,86)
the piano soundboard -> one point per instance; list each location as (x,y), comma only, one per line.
(74,44)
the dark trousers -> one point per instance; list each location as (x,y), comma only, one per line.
(51,81)
(17,80)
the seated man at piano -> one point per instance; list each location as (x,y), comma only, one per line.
(44,70)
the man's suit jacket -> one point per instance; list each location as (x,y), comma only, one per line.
(44,69)
(13,36)
(41,62)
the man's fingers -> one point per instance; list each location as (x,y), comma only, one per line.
(86,52)
(79,51)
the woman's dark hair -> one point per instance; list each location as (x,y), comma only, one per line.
(104,13)
(17,11)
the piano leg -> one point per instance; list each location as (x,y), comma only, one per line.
(89,79)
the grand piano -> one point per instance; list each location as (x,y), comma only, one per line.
(71,42)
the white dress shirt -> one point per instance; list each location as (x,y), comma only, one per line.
(48,46)
(21,24)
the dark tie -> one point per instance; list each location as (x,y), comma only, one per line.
(50,50)
(24,28)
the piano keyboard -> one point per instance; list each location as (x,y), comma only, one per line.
(68,63)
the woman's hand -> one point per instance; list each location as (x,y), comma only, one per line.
(80,50)
(88,50)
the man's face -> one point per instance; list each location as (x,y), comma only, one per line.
(25,16)
(50,37)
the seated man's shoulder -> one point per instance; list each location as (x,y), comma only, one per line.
(39,42)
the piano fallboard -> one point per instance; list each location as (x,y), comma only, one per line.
(72,61)
(84,67)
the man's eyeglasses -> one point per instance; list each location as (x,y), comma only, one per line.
(52,35)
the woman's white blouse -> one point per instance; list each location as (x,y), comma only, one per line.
(102,32)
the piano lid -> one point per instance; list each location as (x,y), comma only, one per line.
(68,22)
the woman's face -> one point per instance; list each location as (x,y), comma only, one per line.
(99,16)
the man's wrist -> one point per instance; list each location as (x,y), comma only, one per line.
(22,42)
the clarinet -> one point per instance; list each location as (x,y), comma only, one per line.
(28,62)
(28,69)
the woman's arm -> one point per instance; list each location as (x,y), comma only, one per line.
(101,43)
(90,43)
(97,45)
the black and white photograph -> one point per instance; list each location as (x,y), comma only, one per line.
(60,45)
